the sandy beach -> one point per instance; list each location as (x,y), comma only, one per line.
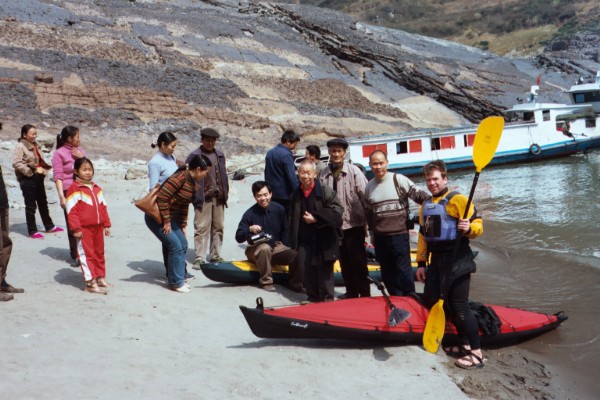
(144,341)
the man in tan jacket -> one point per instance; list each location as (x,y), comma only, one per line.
(349,183)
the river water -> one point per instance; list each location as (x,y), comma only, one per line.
(541,251)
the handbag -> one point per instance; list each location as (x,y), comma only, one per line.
(148,204)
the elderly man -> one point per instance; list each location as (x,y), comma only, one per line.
(269,218)
(315,222)
(348,181)
(387,209)
(210,201)
(280,171)
(6,290)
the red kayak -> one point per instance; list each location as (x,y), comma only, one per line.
(367,319)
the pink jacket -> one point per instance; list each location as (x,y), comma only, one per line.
(62,164)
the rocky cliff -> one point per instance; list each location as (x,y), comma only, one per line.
(127,70)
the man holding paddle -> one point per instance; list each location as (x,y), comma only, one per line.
(445,235)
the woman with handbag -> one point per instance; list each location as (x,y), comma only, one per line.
(67,151)
(31,169)
(173,200)
(161,167)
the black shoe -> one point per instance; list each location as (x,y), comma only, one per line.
(296,289)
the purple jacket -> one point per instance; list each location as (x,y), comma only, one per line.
(62,164)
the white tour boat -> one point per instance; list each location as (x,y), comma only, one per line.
(534,131)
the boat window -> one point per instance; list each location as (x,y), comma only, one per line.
(445,142)
(468,140)
(416,146)
(528,116)
(546,115)
(370,148)
(590,123)
(401,147)
(586,97)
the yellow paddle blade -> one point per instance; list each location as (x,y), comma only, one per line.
(486,141)
(435,327)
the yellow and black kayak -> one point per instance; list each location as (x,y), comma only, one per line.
(245,272)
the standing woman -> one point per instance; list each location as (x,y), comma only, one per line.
(163,164)
(174,198)
(31,171)
(161,167)
(67,151)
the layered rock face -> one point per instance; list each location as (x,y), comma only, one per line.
(123,71)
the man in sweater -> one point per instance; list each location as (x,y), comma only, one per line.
(210,201)
(280,171)
(387,209)
(270,218)
(348,181)
(6,290)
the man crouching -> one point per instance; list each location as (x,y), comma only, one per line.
(270,219)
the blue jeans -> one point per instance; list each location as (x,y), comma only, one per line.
(393,254)
(177,246)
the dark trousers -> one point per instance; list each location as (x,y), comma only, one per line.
(34,194)
(457,301)
(393,254)
(353,260)
(318,278)
(5,243)
(72,239)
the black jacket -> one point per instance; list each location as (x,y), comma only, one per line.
(328,226)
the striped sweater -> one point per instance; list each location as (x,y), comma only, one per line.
(175,196)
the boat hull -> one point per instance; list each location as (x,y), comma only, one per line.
(245,272)
(365,319)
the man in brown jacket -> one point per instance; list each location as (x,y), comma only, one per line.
(6,290)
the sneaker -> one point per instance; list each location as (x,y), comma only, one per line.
(56,229)
(217,260)
(11,289)
(37,235)
(182,289)
(198,264)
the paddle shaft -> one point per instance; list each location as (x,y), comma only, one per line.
(459,239)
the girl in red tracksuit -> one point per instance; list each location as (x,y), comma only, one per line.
(88,218)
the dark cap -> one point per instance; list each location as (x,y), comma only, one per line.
(338,142)
(209,132)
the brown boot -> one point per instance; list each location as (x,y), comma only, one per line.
(6,296)
(92,287)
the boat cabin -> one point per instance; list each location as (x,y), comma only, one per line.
(587,93)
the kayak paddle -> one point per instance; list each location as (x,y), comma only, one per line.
(397,315)
(484,147)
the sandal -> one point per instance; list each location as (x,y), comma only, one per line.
(92,287)
(470,361)
(455,351)
(102,282)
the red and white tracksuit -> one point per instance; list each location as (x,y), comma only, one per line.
(87,213)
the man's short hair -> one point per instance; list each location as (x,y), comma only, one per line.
(260,185)
(438,165)
(378,152)
(290,136)
(306,161)
(314,150)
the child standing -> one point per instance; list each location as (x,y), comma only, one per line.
(88,218)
